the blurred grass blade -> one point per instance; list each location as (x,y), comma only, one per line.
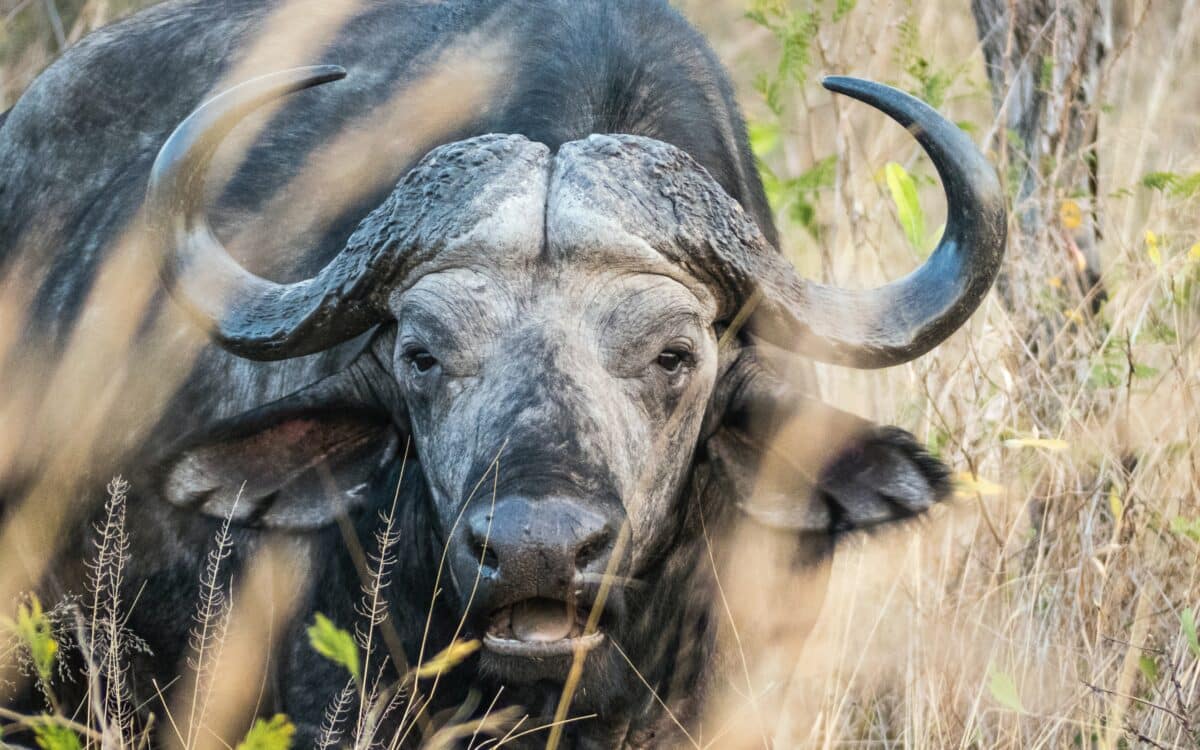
(968,484)
(448,659)
(1049,444)
(1115,504)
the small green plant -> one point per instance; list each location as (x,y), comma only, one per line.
(51,735)
(1187,527)
(1115,366)
(1187,624)
(274,733)
(796,197)
(35,634)
(336,645)
(928,81)
(1172,184)
(1148,666)
(795,31)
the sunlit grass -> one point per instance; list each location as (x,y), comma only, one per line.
(1052,604)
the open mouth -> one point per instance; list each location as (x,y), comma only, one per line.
(540,627)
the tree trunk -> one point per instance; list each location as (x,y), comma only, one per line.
(1045,66)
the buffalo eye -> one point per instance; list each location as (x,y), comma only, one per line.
(421,360)
(671,360)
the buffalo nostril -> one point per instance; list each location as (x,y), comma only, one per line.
(485,554)
(482,548)
(593,548)
(489,563)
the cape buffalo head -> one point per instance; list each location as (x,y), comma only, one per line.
(565,337)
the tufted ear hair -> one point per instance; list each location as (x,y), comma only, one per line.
(294,464)
(792,462)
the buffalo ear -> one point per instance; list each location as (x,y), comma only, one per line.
(795,463)
(295,464)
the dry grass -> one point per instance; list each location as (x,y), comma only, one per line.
(1042,609)
(1029,613)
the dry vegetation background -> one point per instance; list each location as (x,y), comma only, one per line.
(1052,604)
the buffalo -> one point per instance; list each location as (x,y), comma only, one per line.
(548,337)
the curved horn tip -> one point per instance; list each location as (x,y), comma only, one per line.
(871,92)
(326,73)
(844,84)
(943,292)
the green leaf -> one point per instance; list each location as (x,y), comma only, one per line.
(843,7)
(1187,187)
(1105,375)
(804,213)
(1159,332)
(758,17)
(1047,75)
(1004,690)
(269,734)
(770,89)
(1177,185)
(1149,668)
(1144,371)
(817,177)
(33,630)
(1115,505)
(796,38)
(1189,527)
(1154,248)
(335,644)
(1187,622)
(1160,180)
(764,137)
(50,735)
(908,206)
(795,197)
(772,185)
(765,12)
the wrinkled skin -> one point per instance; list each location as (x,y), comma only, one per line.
(548,325)
(578,361)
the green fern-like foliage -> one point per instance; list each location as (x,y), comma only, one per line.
(53,736)
(335,644)
(274,733)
